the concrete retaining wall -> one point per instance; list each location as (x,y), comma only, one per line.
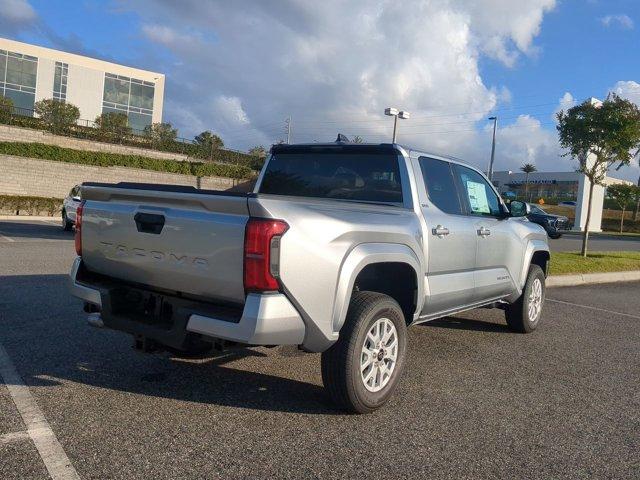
(9,133)
(44,178)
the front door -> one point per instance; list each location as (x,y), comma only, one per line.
(449,238)
(497,246)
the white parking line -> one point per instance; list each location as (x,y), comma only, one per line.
(8,239)
(594,308)
(38,429)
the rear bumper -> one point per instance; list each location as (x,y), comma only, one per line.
(265,319)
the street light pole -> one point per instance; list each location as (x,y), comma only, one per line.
(493,148)
(393,112)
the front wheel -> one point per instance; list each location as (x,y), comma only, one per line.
(361,370)
(525,314)
(66,223)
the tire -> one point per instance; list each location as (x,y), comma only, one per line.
(554,236)
(520,317)
(342,373)
(67,224)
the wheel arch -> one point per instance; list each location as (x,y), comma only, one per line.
(362,269)
(537,253)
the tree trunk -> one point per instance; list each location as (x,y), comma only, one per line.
(585,234)
(635,214)
(622,219)
(526,187)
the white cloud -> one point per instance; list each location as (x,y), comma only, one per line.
(17,11)
(629,90)
(621,20)
(334,65)
(15,15)
(230,111)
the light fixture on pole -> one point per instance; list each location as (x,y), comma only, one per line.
(395,113)
(493,148)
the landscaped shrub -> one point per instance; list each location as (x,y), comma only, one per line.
(104,159)
(19,205)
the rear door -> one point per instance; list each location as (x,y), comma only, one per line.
(498,247)
(450,238)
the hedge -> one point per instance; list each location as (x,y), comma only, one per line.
(104,159)
(188,148)
(16,205)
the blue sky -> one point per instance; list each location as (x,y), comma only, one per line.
(240,68)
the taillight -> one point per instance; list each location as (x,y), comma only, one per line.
(78,236)
(262,254)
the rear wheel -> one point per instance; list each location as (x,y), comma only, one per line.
(361,370)
(525,314)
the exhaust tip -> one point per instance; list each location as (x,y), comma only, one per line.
(95,320)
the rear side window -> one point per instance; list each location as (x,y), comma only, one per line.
(441,188)
(366,177)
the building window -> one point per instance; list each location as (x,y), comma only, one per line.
(18,80)
(60,81)
(130,96)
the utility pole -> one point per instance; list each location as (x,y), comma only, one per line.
(288,123)
(493,148)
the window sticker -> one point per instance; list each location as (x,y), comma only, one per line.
(477,197)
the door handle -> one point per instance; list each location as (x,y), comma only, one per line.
(440,231)
(483,232)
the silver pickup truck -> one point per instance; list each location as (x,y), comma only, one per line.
(338,249)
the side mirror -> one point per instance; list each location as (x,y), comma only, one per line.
(519,209)
(76,198)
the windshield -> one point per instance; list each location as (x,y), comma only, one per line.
(537,210)
(366,177)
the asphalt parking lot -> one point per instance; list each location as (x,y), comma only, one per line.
(476,401)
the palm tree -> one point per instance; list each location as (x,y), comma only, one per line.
(527,168)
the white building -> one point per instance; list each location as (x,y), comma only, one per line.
(29,73)
(568,186)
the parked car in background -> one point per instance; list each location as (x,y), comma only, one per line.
(69,208)
(338,250)
(554,225)
(569,204)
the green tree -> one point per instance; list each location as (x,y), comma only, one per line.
(527,168)
(623,195)
(259,154)
(57,116)
(6,109)
(207,143)
(160,134)
(599,135)
(112,126)
(258,151)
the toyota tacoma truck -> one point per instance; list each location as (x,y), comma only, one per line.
(338,249)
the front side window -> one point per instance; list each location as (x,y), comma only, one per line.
(441,189)
(366,177)
(478,194)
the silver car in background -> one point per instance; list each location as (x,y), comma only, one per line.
(69,208)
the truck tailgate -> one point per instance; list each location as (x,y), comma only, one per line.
(167,237)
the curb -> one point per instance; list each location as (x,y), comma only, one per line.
(28,217)
(591,278)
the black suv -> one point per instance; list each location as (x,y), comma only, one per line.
(555,225)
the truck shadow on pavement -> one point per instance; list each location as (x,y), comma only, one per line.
(63,349)
(464,323)
(37,230)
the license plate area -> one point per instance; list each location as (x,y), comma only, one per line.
(143,306)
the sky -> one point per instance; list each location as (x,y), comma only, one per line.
(241,68)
